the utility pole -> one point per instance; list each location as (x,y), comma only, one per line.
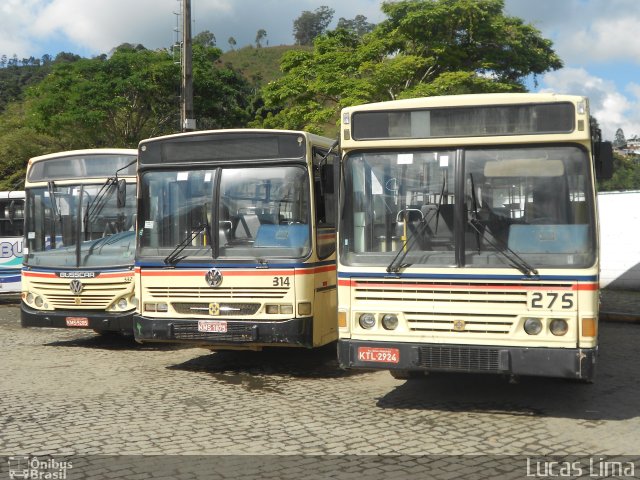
(186,111)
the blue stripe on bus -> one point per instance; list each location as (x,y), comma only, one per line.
(462,276)
(269,264)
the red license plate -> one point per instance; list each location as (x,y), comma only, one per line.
(77,321)
(383,355)
(212,326)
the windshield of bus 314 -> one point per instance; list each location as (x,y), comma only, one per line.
(251,212)
(525,207)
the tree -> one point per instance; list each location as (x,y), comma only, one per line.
(206,39)
(626,175)
(132,95)
(309,25)
(358,25)
(619,141)
(18,143)
(232,43)
(422,48)
(260,35)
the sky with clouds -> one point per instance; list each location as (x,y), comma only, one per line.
(598,40)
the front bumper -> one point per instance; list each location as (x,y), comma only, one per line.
(574,363)
(97,320)
(293,332)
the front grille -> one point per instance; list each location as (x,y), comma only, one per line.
(473,323)
(234,333)
(206,293)
(244,309)
(477,309)
(463,359)
(96,296)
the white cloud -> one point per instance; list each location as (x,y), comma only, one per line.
(610,107)
(585,31)
(90,27)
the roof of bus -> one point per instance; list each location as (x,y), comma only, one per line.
(87,151)
(467,100)
(311,136)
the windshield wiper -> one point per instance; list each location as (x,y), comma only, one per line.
(515,260)
(174,257)
(396,264)
(95,207)
(54,204)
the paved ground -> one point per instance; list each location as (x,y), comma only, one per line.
(102,402)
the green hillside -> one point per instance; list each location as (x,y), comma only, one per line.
(258,65)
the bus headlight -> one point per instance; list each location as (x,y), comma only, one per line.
(390,321)
(367,320)
(156,307)
(558,327)
(533,326)
(122,304)
(29,297)
(39,301)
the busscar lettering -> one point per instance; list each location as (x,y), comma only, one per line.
(78,274)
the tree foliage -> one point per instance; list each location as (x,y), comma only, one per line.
(357,25)
(132,95)
(116,101)
(619,141)
(626,174)
(310,25)
(422,48)
(260,35)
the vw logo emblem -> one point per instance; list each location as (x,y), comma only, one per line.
(213,277)
(76,286)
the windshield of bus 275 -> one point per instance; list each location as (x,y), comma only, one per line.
(527,202)
(86,222)
(240,197)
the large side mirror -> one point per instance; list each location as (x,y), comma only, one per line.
(603,158)
(122,193)
(327,177)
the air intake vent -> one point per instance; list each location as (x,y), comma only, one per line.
(463,359)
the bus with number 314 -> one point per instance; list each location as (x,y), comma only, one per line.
(236,239)
(468,238)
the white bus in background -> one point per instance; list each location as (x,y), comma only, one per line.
(11,233)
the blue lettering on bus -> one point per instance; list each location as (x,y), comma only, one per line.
(8,249)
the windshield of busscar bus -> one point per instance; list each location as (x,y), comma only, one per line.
(71,226)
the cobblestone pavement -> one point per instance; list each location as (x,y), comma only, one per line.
(77,394)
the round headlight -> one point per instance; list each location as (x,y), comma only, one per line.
(558,327)
(122,303)
(39,301)
(533,326)
(29,297)
(390,321)
(367,320)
